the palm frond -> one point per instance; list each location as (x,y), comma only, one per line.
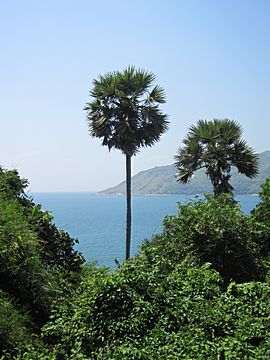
(245,159)
(157,95)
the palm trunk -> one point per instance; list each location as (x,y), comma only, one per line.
(215,182)
(128,194)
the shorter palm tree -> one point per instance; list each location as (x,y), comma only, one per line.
(216,146)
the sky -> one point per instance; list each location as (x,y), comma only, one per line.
(212,57)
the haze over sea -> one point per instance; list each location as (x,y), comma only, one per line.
(98,222)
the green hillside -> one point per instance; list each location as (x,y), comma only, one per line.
(161,180)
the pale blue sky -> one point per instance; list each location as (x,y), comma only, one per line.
(212,58)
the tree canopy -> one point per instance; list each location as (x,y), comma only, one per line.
(124,110)
(216,146)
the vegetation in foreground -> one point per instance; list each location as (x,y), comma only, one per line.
(200,290)
(37,262)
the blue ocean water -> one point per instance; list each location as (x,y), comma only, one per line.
(99,221)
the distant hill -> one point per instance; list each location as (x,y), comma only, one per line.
(161,180)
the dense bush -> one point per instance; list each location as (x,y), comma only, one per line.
(215,230)
(11,185)
(22,275)
(199,290)
(261,213)
(262,210)
(15,326)
(37,262)
(56,245)
(185,314)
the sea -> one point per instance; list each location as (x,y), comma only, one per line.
(98,222)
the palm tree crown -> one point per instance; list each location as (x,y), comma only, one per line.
(216,146)
(124,111)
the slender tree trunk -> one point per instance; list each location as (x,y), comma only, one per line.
(215,189)
(128,194)
(215,182)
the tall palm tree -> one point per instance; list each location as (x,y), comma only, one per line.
(216,146)
(124,113)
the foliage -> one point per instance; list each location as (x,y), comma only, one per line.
(15,326)
(56,245)
(167,302)
(21,272)
(215,230)
(262,211)
(145,313)
(124,111)
(37,262)
(57,252)
(69,328)
(108,311)
(216,146)
(174,300)
(11,185)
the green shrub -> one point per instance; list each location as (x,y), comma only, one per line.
(185,314)
(215,231)
(15,326)
(261,213)
(37,265)
(168,302)
(21,272)
(56,245)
